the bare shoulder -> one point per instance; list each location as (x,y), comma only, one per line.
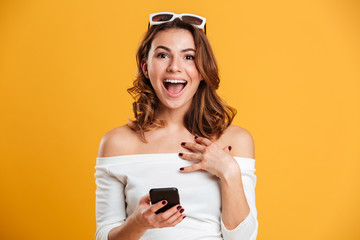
(118,141)
(240,140)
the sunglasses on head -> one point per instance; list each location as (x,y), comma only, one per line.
(162,17)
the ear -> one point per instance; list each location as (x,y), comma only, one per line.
(144,68)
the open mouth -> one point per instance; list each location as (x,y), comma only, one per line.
(174,86)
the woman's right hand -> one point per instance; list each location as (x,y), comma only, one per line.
(144,215)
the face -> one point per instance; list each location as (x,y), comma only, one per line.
(171,68)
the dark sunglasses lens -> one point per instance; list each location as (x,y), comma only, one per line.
(162,17)
(192,20)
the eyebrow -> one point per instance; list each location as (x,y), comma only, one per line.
(168,49)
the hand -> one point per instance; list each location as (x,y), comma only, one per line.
(210,157)
(145,217)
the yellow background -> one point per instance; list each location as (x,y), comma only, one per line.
(291,68)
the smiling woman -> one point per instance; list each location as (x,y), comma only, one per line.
(177,109)
(171,68)
(189,59)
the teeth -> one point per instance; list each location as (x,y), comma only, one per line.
(174,81)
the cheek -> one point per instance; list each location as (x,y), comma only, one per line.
(156,69)
(194,72)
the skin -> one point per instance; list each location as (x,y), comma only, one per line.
(171,56)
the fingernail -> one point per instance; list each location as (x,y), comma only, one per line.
(164,202)
(178,207)
(183,144)
(182,210)
(184,217)
(196,137)
(229,148)
(180,154)
(181,169)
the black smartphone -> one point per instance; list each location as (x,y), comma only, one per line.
(171,195)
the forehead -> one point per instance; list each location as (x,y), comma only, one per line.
(174,38)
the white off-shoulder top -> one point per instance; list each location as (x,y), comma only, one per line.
(122,180)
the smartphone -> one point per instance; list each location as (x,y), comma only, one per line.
(171,195)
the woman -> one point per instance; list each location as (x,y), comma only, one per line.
(181,137)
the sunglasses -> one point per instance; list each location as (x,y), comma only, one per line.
(162,17)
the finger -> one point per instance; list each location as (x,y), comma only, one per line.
(227,149)
(191,157)
(191,168)
(145,199)
(194,147)
(157,206)
(164,217)
(174,219)
(178,220)
(203,141)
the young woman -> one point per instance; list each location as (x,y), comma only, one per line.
(181,137)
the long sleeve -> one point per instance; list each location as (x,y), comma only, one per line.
(248,228)
(110,202)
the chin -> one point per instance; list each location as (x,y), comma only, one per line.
(176,105)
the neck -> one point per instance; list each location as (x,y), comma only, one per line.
(174,118)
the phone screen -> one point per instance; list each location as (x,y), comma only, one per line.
(171,195)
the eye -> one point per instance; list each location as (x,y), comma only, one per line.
(190,57)
(162,55)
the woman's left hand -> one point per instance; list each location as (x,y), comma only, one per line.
(209,157)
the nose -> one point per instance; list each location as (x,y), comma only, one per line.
(174,65)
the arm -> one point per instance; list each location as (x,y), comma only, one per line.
(235,187)
(144,218)
(128,230)
(110,202)
(233,200)
(238,220)
(248,227)
(111,220)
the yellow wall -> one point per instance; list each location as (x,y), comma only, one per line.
(291,68)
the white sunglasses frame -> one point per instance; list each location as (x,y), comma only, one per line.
(201,26)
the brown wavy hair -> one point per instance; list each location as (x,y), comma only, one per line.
(208,115)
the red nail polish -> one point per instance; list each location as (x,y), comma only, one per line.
(180,154)
(164,202)
(182,210)
(181,169)
(178,207)
(196,137)
(229,148)
(184,217)
(182,144)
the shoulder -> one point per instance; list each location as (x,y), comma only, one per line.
(240,140)
(117,141)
